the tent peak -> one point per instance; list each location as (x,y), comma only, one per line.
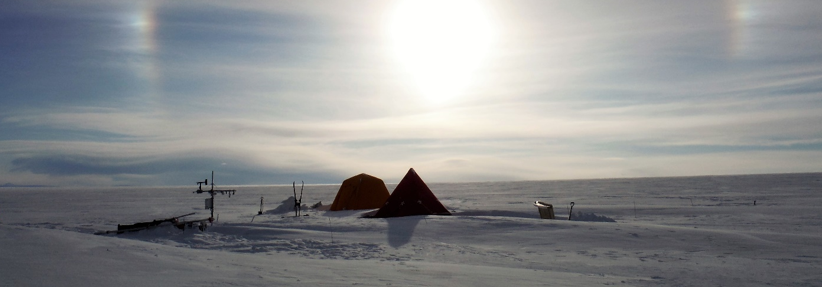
(411,197)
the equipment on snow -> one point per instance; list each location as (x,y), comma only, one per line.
(209,203)
(175,221)
(546,210)
(571,211)
(297,202)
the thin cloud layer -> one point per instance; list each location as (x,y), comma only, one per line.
(161,93)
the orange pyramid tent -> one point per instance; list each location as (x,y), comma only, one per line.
(411,197)
(361,191)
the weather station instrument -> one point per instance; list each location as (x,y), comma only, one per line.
(209,202)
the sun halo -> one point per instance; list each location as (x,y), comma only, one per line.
(440,44)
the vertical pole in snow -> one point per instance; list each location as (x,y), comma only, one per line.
(294,185)
(332,231)
(300,202)
(261,205)
(571,211)
(212,195)
(210,201)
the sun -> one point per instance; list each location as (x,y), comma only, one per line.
(440,44)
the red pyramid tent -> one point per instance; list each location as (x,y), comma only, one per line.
(411,197)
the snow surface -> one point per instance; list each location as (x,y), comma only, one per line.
(685,231)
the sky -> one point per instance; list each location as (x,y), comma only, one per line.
(155,93)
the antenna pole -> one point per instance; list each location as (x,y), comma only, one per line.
(212,191)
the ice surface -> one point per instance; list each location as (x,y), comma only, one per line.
(682,231)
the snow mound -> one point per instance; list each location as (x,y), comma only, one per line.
(579,216)
(286,206)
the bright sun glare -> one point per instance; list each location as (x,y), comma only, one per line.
(440,44)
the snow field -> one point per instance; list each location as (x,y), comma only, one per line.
(668,232)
